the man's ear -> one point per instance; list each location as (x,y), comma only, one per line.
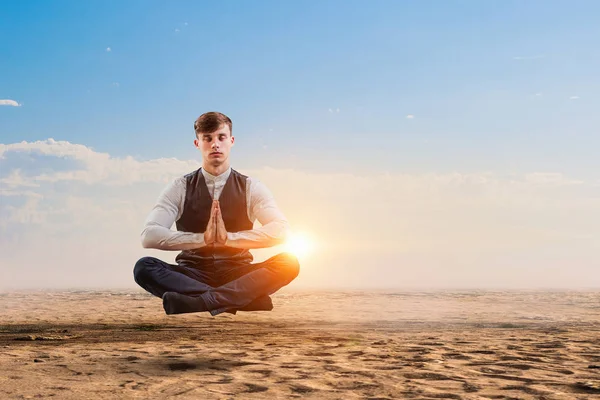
(232,140)
(197,143)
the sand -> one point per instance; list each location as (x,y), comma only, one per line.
(318,345)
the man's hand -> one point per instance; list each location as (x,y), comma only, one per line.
(210,234)
(221,236)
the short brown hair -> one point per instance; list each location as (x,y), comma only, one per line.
(210,122)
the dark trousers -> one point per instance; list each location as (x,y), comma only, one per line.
(222,285)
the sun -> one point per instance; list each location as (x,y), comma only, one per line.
(299,244)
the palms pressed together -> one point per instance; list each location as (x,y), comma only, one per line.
(215,233)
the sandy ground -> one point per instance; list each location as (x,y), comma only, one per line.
(321,345)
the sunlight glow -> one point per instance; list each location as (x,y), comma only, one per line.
(299,244)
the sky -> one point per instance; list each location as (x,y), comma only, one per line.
(424,144)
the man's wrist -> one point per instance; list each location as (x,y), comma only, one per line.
(223,240)
(199,238)
(231,238)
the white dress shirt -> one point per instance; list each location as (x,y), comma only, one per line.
(261,206)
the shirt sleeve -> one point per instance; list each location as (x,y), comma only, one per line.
(157,233)
(262,207)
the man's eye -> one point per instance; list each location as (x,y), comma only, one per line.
(206,139)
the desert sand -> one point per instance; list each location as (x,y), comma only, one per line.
(319,345)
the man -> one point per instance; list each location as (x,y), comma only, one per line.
(214,209)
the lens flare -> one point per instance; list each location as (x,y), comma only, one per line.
(299,244)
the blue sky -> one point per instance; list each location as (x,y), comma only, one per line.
(492,106)
(468,71)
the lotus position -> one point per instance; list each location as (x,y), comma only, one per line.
(214,209)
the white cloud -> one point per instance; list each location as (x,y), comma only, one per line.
(552,178)
(410,116)
(115,84)
(183,26)
(15,179)
(52,147)
(390,229)
(24,193)
(574,98)
(29,213)
(98,167)
(108,50)
(8,102)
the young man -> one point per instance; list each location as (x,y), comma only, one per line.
(214,209)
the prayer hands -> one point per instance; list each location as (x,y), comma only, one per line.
(221,237)
(215,233)
(210,234)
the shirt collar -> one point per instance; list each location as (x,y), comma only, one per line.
(218,178)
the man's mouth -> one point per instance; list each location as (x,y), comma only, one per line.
(215,154)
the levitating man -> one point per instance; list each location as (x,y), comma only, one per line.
(214,209)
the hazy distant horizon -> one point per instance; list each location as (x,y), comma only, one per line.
(293,289)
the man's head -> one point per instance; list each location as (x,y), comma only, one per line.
(214,140)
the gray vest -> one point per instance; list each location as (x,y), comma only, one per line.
(196,213)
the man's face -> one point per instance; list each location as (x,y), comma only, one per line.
(215,146)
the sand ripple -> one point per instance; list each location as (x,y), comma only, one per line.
(74,345)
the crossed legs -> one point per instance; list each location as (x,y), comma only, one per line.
(223,287)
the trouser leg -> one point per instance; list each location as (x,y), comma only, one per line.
(248,282)
(158,277)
